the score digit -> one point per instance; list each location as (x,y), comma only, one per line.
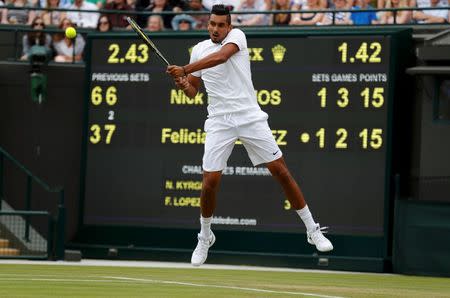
(96,135)
(97,97)
(134,53)
(366,53)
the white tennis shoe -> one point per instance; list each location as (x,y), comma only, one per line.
(201,251)
(317,238)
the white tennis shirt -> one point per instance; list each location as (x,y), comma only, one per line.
(229,85)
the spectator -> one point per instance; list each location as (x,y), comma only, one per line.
(17,16)
(35,38)
(155,23)
(340,18)
(53,17)
(99,3)
(282,18)
(308,18)
(62,4)
(157,6)
(67,49)
(412,3)
(250,19)
(402,17)
(118,20)
(200,19)
(363,17)
(132,4)
(83,19)
(183,22)
(104,24)
(1,10)
(301,4)
(231,4)
(433,15)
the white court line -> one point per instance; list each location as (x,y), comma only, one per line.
(119,279)
(219,286)
(63,280)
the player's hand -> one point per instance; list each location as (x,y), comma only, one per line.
(182,83)
(175,71)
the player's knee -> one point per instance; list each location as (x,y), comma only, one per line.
(210,184)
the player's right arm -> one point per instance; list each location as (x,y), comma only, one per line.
(211,60)
(189,84)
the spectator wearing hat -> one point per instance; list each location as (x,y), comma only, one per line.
(183,22)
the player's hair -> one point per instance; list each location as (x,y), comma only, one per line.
(221,10)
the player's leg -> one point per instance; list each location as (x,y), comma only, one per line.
(280,172)
(219,143)
(262,148)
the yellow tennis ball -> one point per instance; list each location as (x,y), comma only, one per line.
(71,32)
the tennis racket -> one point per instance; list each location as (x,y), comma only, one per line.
(147,40)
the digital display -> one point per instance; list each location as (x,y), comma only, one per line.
(328,100)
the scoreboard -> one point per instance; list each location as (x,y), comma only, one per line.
(329,96)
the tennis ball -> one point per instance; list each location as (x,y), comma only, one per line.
(71,32)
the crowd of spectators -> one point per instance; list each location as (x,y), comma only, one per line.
(176,13)
(106,15)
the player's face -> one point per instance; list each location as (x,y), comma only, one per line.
(218,28)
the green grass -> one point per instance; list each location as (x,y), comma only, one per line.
(94,281)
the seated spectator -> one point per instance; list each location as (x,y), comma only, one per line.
(132,4)
(280,19)
(17,16)
(300,4)
(118,20)
(250,19)
(83,19)
(433,15)
(62,4)
(35,38)
(401,17)
(231,4)
(155,23)
(157,6)
(363,17)
(412,3)
(200,19)
(99,3)
(340,18)
(308,18)
(183,22)
(53,17)
(104,24)
(68,49)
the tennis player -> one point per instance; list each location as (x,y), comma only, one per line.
(223,63)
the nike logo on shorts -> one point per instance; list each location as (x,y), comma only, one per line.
(275,152)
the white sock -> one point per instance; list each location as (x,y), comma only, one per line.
(307,218)
(205,229)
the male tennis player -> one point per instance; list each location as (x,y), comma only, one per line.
(223,64)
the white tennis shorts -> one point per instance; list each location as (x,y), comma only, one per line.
(250,127)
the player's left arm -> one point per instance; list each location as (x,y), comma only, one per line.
(211,60)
